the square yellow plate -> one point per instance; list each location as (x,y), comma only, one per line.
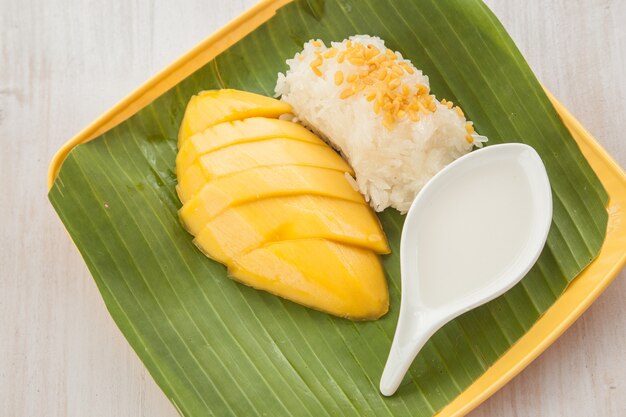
(574,301)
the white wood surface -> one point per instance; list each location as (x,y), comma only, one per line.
(64,62)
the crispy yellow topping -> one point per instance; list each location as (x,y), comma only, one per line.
(331,53)
(407,68)
(469,128)
(338,77)
(317,61)
(379,77)
(356,61)
(346,93)
(316,70)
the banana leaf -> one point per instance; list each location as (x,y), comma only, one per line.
(218,348)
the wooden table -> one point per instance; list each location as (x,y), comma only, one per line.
(63,62)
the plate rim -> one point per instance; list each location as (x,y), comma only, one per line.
(577,297)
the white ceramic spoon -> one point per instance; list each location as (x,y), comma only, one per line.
(472,233)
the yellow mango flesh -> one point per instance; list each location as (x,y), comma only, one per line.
(238,131)
(325,275)
(263,153)
(259,183)
(271,201)
(242,228)
(208,108)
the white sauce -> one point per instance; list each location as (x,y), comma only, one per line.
(472,230)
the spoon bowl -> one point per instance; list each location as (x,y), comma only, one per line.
(471,234)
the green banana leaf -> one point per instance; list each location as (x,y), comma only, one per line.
(219,348)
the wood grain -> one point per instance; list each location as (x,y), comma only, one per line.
(66,61)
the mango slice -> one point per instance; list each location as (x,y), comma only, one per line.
(325,275)
(239,131)
(208,108)
(259,183)
(242,228)
(268,152)
(272,201)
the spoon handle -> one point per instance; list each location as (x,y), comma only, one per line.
(405,348)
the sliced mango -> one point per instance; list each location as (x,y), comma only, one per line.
(259,183)
(208,108)
(242,228)
(239,131)
(271,201)
(340,279)
(268,152)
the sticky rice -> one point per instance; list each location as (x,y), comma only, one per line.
(376,108)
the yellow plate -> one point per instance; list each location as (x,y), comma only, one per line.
(575,300)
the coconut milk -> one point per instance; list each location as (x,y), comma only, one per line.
(472,230)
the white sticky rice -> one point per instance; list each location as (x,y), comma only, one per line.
(391,165)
